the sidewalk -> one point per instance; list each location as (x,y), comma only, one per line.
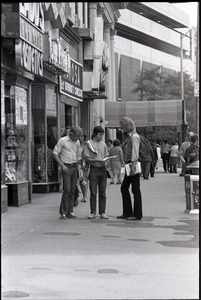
(44,257)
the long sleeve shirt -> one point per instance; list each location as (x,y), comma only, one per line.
(131,147)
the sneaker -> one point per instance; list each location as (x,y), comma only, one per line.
(63,217)
(71,215)
(104,216)
(92,216)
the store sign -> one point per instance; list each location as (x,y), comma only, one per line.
(72,84)
(29,46)
(55,54)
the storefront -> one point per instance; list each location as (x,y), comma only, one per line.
(22,59)
(55,105)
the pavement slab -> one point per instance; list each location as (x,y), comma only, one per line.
(44,257)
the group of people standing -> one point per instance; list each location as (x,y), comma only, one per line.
(89,161)
(172,155)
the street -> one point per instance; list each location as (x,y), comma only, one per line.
(44,257)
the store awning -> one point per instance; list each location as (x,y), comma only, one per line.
(145,113)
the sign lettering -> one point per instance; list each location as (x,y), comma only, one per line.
(29,57)
(33,12)
(71,83)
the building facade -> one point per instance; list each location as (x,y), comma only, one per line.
(54,73)
(148,37)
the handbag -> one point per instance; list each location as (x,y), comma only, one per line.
(137,168)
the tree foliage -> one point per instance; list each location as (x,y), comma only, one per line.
(156,84)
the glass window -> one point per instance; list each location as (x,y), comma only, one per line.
(44,126)
(16,134)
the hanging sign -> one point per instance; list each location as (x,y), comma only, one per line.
(72,84)
(29,45)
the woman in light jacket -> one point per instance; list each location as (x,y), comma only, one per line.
(174,158)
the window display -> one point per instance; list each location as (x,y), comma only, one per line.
(16,156)
(44,121)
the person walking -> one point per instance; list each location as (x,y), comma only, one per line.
(182,150)
(67,153)
(174,157)
(117,162)
(165,155)
(131,155)
(94,152)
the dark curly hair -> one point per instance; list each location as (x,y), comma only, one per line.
(116,142)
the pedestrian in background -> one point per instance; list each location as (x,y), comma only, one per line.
(83,175)
(109,145)
(148,157)
(154,159)
(67,153)
(117,162)
(182,150)
(131,155)
(174,157)
(192,152)
(94,151)
(165,155)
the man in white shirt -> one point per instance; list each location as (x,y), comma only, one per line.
(67,153)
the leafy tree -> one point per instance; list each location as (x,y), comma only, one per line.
(155,84)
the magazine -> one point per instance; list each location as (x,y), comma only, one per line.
(137,168)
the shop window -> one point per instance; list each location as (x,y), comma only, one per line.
(44,126)
(16,135)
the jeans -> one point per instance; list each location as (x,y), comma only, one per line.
(97,182)
(69,184)
(134,181)
(165,158)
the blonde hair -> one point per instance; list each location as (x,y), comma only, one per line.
(127,124)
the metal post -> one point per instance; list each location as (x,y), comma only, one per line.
(182,88)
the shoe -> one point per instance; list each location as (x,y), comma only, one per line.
(71,215)
(111,182)
(181,174)
(83,200)
(118,182)
(92,216)
(133,219)
(63,217)
(121,217)
(104,216)
(76,203)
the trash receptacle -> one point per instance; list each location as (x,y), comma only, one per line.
(191,182)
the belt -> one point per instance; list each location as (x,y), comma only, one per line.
(73,165)
(98,168)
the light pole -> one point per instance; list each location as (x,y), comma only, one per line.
(184,123)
